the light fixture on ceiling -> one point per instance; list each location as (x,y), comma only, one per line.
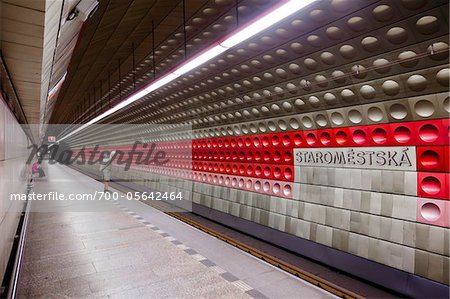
(273,16)
(83,10)
(72,15)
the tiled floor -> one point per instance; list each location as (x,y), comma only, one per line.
(112,255)
(130,250)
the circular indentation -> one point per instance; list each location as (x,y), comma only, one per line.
(268,40)
(338,76)
(299,103)
(298,139)
(298,25)
(248,184)
(430,211)
(318,15)
(267,172)
(368,92)
(357,23)
(398,111)
(287,173)
(402,134)
(442,77)
(281,32)
(329,98)
(413,4)
(427,24)
(325,138)
(375,114)
(341,137)
(311,139)
(408,58)
(341,5)
(305,84)
(334,33)
(276,188)
(382,66)
(390,87)
(198,21)
(347,51)
(424,108)
(328,58)
(428,133)
(370,44)
(307,122)
(314,101)
(397,35)
(282,125)
(310,63)
(281,73)
(241,183)
(277,172)
(295,68)
(268,77)
(379,136)
(293,123)
(348,95)
(446,104)
(314,40)
(355,116)
(359,71)
(430,185)
(291,88)
(383,13)
(321,120)
(337,118)
(438,50)
(286,140)
(209,11)
(321,80)
(429,159)
(359,137)
(262,127)
(417,82)
(297,48)
(287,190)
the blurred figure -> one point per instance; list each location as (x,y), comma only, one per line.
(105,168)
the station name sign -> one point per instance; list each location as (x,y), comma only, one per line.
(393,158)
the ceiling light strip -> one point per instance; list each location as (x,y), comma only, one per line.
(273,16)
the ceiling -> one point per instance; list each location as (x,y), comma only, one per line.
(122,29)
(305,67)
(36,44)
(28,36)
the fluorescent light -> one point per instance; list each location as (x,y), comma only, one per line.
(161,82)
(274,16)
(53,91)
(265,22)
(200,59)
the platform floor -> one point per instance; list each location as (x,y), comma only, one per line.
(131,250)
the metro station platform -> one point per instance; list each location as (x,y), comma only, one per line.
(131,250)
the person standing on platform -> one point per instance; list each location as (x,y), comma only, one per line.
(105,168)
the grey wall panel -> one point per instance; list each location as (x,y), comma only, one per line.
(400,281)
(13,155)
